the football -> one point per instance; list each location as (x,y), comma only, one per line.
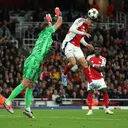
(93,13)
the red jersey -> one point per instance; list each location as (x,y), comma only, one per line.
(74,38)
(96,61)
(45,74)
(95,6)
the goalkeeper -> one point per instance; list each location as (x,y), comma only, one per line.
(33,63)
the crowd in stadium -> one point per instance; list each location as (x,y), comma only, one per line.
(115,47)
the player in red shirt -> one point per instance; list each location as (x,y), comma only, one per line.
(97,64)
(95,5)
(71,46)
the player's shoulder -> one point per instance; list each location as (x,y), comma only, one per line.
(79,20)
(51,29)
(103,58)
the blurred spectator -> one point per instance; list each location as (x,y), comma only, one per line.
(69,91)
(108,38)
(69,16)
(63,94)
(55,74)
(35,94)
(110,11)
(45,75)
(124,6)
(76,78)
(81,94)
(1,90)
(125,96)
(119,92)
(95,5)
(4,32)
(98,38)
(2,68)
(55,95)
(47,94)
(74,95)
(104,52)
(115,94)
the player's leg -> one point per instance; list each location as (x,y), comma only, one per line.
(67,68)
(80,57)
(89,101)
(8,103)
(28,100)
(90,97)
(74,68)
(103,89)
(68,50)
(28,96)
(72,62)
(106,100)
(28,74)
(33,75)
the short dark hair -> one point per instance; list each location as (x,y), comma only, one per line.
(45,25)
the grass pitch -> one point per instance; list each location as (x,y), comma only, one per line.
(64,119)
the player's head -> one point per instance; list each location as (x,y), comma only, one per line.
(92,15)
(97,49)
(45,25)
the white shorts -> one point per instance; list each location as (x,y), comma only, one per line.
(71,50)
(99,82)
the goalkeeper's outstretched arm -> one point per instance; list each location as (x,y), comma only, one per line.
(58,22)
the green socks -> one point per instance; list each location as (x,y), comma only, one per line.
(28,98)
(28,95)
(15,92)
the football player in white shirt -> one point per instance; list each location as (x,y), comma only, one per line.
(71,45)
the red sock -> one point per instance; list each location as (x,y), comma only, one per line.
(106,101)
(66,69)
(87,74)
(89,99)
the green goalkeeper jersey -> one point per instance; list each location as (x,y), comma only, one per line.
(43,43)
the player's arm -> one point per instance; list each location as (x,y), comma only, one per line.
(89,46)
(83,42)
(100,69)
(59,18)
(74,28)
(58,23)
(88,60)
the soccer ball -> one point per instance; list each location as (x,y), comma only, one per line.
(93,13)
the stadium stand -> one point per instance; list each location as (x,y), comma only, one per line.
(112,36)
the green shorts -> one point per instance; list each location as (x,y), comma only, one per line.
(31,68)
